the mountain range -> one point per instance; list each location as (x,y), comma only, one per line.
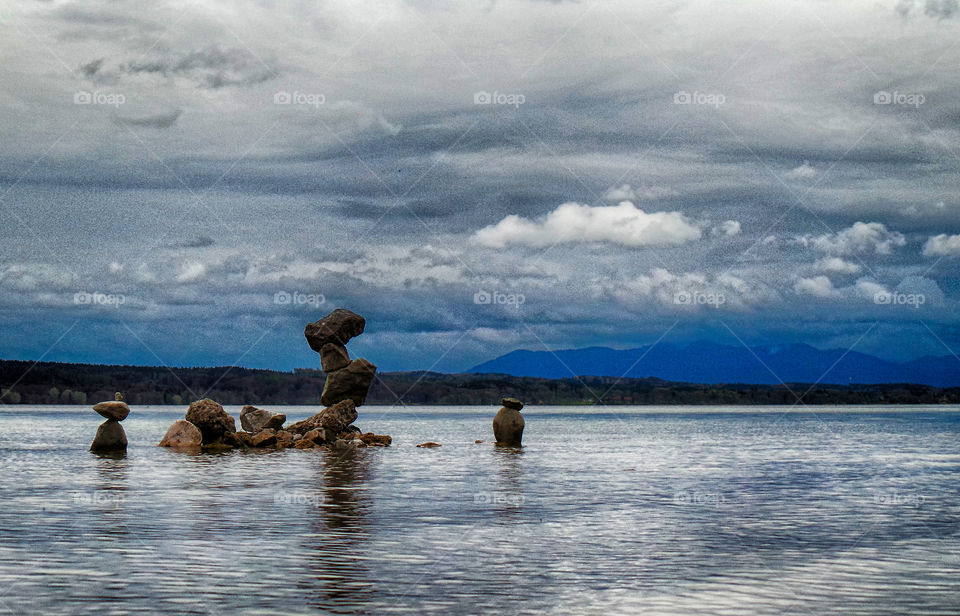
(710,363)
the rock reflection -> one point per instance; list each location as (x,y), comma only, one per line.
(341,580)
(508,499)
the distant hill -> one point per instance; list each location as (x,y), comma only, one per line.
(23,383)
(707,362)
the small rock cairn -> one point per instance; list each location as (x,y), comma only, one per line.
(110,436)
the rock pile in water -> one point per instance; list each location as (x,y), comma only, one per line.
(508,423)
(208,427)
(110,435)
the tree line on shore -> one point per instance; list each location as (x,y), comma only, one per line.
(23,382)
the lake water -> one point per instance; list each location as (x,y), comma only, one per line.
(624,510)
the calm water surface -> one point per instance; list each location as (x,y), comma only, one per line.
(652,510)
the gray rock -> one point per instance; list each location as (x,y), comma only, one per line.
(254,420)
(339,326)
(112,410)
(212,420)
(182,433)
(350,383)
(508,427)
(511,403)
(334,357)
(338,416)
(110,437)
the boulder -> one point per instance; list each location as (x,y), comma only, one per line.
(511,403)
(508,427)
(182,433)
(318,436)
(429,445)
(212,420)
(334,357)
(110,437)
(284,438)
(242,439)
(254,420)
(264,438)
(350,383)
(113,409)
(352,428)
(334,418)
(339,326)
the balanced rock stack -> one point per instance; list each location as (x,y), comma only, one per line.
(110,435)
(508,423)
(346,379)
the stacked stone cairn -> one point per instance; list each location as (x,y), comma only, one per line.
(208,427)
(110,436)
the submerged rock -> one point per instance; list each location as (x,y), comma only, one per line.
(429,444)
(254,420)
(110,437)
(211,419)
(374,440)
(339,327)
(114,409)
(350,383)
(182,433)
(508,426)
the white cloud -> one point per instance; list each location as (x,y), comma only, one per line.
(818,286)
(622,224)
(626,192)
(869,289)
(942,245)
(836,265)
(728,228)
(803,172)
(192,271)
(860,238)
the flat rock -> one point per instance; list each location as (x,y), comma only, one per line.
(212,420)
(429,445)
(511,403)
(112,410)
(334,357)
(110,437)
(254,420)
(339,326)
(264,438)
(374,440)
(508,426)
(182,433)
(350,383)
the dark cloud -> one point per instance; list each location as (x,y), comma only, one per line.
(212,67)
(160,120)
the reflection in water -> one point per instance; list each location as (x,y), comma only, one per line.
(509,496)
(340,531)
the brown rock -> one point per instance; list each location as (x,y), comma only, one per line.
(318,436)
(305,443)
(285,438)
(212,420)
(375,440)
(350,383)
(264,438)
(254,420)
(339,326)
(110,437)
(333,357)
(112,410)
(429,444)
(508,427)
(511,403)
(334,418)
(477,441)
(183,434)
(243,439)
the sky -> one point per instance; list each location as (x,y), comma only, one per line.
(190,183)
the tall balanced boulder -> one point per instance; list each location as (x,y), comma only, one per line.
(338,327)
(508,423)
(254,420)
(333,357)
(211,419)
(110,436)
(350,383)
